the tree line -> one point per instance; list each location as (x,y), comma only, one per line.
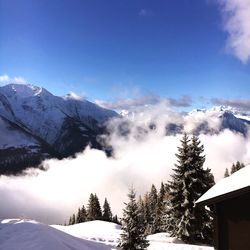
(234,168)
(93,211)
(172,209)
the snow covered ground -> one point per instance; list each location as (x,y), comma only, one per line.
(17,234)
(31,235)
(162,241)
(98,231)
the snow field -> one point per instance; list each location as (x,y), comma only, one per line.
(17,234)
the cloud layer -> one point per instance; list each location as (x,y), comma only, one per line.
(135,103)
(241,104)
(236,15)
(142,157)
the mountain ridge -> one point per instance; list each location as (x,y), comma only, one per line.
(50,126)
(36,125)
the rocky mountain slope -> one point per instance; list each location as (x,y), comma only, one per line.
(35,124)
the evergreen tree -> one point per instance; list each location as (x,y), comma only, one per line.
(147,214)
(162,193)
(142,213)
(153,199)
(226,174)
(98,210)
(233,169)
(90,208)
(94,211)
(107,214)
(116,220)
(238,166)
(70,220)
(78,216)
(176,189)
(158,223)
(189,182)
(73,219)
(201,180)
(132,236)
(83,214)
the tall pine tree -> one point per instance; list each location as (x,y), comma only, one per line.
(94,211)
(132,236)
(189,182)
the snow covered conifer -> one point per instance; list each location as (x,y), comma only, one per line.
(158,222)
(189,182)
(132,236)
(176,224)
(153,199)
(201,181)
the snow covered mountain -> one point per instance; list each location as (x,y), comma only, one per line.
(35,124)
(207,121)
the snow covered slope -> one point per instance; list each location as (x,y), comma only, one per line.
(52,125)
(99,231)
(31,235)
(16,234)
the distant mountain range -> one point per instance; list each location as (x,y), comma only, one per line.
(198,121)
(36,125)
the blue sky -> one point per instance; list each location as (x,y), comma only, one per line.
(118,49)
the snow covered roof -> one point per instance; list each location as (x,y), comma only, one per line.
(228,187)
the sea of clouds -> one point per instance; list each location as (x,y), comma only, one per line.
(140,157)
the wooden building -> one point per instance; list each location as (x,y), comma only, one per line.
(230,199)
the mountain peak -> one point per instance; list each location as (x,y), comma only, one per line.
(23,90)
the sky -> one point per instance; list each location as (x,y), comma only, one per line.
(108,51)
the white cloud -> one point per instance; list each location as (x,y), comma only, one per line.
(142,101)
(236,15)
(74,96)
(19,79)
(241,104)
(5,79)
